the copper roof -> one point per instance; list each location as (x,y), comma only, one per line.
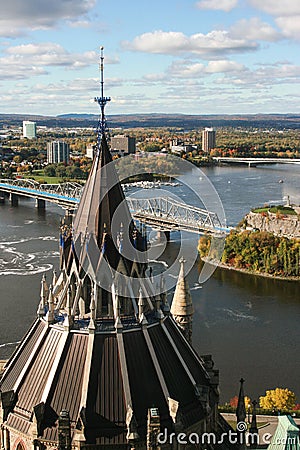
(104,412)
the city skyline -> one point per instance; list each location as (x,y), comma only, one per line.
(193,57)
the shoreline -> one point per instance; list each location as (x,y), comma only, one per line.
(221,265)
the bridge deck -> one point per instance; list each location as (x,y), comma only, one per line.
(160,212)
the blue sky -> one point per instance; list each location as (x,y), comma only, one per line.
(161,56)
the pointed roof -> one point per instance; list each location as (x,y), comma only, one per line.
(182,304)
(101,198)
(241,409)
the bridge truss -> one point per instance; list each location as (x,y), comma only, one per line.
(162,213)
(167,214)
(66,195)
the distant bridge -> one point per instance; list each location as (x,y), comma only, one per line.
(66,195)
(252,162)
(162,213)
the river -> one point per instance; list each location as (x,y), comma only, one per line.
(249,324)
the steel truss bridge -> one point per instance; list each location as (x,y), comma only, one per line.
(66,195)
(170,215)
(161,213)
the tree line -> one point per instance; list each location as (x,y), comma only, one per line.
(258,251)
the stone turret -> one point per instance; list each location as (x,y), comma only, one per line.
(182,306)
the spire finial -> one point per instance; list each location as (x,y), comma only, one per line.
(54,278)
(182,262)
(93,302)
(68,322)
(101,101)
(50,315)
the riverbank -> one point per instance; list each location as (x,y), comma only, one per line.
(221,265)
(256,252)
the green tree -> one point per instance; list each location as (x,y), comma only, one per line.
(50,170)
(74,172)
(60,170)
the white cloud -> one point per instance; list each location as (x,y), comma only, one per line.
(286,14)
(36,49)
(19,15)
(278,8)
(290,26)
(185,69)
(15,71)
(191,72)
(224,66)
(265,77)
(224,5)
(19,61)
(254,29)
(55,97)
(27,60)
(177,43)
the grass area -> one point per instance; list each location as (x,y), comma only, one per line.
(44,179)
(38,175)
(285,210)
(260,210)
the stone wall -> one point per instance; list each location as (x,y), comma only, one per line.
(287,225)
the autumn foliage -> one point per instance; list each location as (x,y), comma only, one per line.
(234,402)
(258,251)
(278,399)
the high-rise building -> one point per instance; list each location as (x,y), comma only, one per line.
(29,129)
(58,151)
(124,144)
(208,139)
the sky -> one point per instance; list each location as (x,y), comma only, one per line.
(161,56)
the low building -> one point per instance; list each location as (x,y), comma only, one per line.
(122,144)
(90,151)
(178,148)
